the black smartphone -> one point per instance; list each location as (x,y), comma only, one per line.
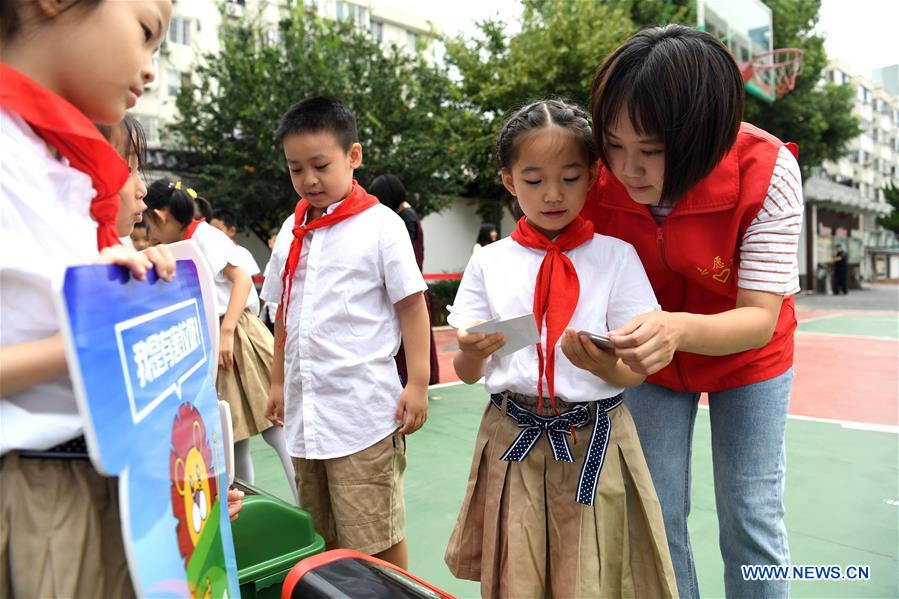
(599,341)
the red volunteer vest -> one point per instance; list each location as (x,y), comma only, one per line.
(693,257)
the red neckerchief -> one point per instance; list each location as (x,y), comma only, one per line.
(356,202)
(556,291)
(191,228)
(66,128)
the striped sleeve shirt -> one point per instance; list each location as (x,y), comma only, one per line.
(769,249)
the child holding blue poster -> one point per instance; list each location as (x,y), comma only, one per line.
(246,345)
(64,65)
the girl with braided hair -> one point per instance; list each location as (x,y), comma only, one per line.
(574,515)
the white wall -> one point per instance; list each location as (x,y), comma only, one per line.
(450,235)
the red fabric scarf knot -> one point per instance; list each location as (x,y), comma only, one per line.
(74,136)
(357,201)
(556,291)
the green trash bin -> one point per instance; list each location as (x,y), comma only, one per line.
(270,536)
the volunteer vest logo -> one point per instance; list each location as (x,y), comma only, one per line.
(719,271)
(195,498)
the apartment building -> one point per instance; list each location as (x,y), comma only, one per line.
(845,197)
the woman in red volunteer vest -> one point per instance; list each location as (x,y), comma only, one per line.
(714,208)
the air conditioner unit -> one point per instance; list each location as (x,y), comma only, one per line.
(233,10)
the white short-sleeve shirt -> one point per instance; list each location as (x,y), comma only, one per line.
(220,251)
(499,282)
(45,227)
(341,386)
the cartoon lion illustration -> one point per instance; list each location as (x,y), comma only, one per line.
(195,499)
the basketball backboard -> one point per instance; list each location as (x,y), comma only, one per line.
(746,27)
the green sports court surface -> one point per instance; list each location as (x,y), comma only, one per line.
(842,451)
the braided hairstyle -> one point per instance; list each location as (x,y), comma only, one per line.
(539,115)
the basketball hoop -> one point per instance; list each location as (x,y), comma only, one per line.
(774,71)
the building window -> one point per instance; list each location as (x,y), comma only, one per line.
(377,31)
(411,41)
(179,31)
(172,82)
(863,94)
(150,125)
(353,13)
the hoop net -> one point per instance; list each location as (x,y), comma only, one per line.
(777,67)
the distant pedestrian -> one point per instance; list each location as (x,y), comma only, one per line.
(840,271)
(487,235)
(391,192)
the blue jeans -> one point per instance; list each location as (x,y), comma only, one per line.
(749,460)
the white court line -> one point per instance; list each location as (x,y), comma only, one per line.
(817,318)
(866,337)
(847,424)
(442,385)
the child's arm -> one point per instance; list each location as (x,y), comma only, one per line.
(606,365)
(415,326)
(474,349)
(24,365)
(275,409)
(240,290)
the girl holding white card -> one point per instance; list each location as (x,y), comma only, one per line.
(575,515)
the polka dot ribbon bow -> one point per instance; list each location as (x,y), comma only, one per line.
(556,428)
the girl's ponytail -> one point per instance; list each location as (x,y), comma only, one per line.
(173,196)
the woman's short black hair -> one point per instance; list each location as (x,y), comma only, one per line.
(680,85)
(165,194)
(321,113)
(538,115)
(389,190)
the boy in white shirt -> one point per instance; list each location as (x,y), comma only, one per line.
(344,272)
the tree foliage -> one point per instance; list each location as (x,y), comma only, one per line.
(549,57)
(406,110)
(562,42)
(435,126)
(891,220)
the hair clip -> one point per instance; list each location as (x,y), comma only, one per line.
(189,191)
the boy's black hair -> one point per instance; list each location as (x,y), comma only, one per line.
(389,190)
(226,215)
(680,85)
(163,194)
(11,19)
(128,138)
(542,114)
(321,113)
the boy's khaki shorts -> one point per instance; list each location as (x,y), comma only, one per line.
(356,501)
(60,534)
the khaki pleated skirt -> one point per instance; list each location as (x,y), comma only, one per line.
(245,386)
(521,532)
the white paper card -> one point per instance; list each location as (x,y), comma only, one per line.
(520,332)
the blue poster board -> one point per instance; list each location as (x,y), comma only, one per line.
(142,366)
